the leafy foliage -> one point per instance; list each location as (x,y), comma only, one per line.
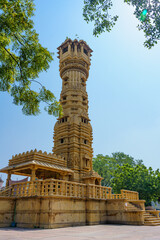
(138,178)
(121,171)
(22,58)
(98,11)
(106,165)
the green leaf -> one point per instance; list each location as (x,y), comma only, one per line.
(23,58)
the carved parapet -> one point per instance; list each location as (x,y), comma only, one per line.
(37,155)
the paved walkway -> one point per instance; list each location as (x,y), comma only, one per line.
(98,232)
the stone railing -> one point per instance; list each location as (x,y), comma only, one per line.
(57,188)
(49,188)
(116,196)
(126,194)
(130,195)
(98,192)
(6,192)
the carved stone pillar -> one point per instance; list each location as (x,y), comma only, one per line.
(8,178)
(33,174)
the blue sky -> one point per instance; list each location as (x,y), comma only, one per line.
(123,87)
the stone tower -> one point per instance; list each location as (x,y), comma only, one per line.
(73,131)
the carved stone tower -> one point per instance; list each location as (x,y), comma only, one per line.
(73,131)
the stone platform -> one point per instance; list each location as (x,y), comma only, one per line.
(58,204)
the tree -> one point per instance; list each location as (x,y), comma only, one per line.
(22,58)
(137,178)
(107,165)
(122,158)
(101,164)
(147,11)
(121,171)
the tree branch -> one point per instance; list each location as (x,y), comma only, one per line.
(18,40)
(41,86)
(37,82)
(24,39)
(11,56)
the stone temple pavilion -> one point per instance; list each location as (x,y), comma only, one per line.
(63,189)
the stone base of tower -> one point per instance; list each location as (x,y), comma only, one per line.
(51,212)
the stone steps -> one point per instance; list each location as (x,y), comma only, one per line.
(149,218)
(151,223)
(131,207)
(152,220)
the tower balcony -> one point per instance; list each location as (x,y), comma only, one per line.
(74,54)
(74,49)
